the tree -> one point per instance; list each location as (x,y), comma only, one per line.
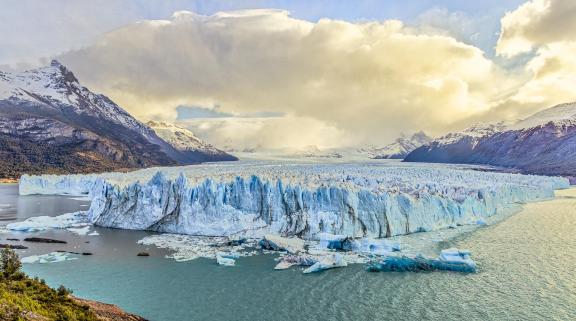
(9,262)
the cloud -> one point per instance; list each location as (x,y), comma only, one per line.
(545,30)
(269,133)
(537,23)
(368,80)
(189,112)
(195,112)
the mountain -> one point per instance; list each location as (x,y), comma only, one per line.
(184,141)
(544,143)
(49,123)
(399,149)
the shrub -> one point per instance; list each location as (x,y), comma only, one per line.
(9,262)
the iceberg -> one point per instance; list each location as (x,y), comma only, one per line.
(53,257)
(226,261)
(326,262)
(75,222)
(188,247)
(278,243)
(288,261)
(372,246)
(449,260)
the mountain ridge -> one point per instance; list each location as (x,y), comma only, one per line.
(544,143)
(52,124)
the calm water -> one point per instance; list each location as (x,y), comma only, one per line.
(527,266)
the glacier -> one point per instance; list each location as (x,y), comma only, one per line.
(304,200)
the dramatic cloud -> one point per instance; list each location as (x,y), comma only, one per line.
(545,27)
(269,133)
(369,81)
(537,23)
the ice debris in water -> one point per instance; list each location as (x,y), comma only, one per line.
(360,245)
(329,261)
(188,247)
(290,260)
(41,223)
(450,260)
(278,243)
(226,261)
(53,257)
(80,230)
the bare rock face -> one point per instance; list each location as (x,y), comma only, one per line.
(544,143)
(49,123)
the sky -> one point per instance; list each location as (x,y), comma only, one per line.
(292,74)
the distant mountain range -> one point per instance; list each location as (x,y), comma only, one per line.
(186,142)
(49,123)
(398,149)
(544,143)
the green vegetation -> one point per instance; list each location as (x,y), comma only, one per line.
(25,298)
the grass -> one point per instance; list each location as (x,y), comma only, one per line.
(25,298)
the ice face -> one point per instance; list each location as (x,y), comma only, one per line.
(303,200)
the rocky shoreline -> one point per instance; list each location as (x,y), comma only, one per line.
(107,312)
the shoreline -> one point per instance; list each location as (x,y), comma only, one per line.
(106,311)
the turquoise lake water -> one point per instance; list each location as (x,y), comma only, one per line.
(527,265)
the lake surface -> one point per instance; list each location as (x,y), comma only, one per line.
(527,265)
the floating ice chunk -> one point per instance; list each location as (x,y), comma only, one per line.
(53,257)
(41,223)
(449,260)
(187,247)
(455,255)
(228,255)
(283,265)
(330,261)
(225,261)
(93,233)
(279,243)
(371,246)
(79,230)
(292,260)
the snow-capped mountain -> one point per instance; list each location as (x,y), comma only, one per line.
(51,123)
(185,141)
(544,143)
(399,149)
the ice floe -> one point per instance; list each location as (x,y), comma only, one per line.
(53,257)
(188,247)
(277,243)
(449,260)
(328,261)
(77,221)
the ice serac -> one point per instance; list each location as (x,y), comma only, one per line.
(255,205)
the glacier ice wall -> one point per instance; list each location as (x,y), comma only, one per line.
(76,185)
(256,205)
(351,199)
